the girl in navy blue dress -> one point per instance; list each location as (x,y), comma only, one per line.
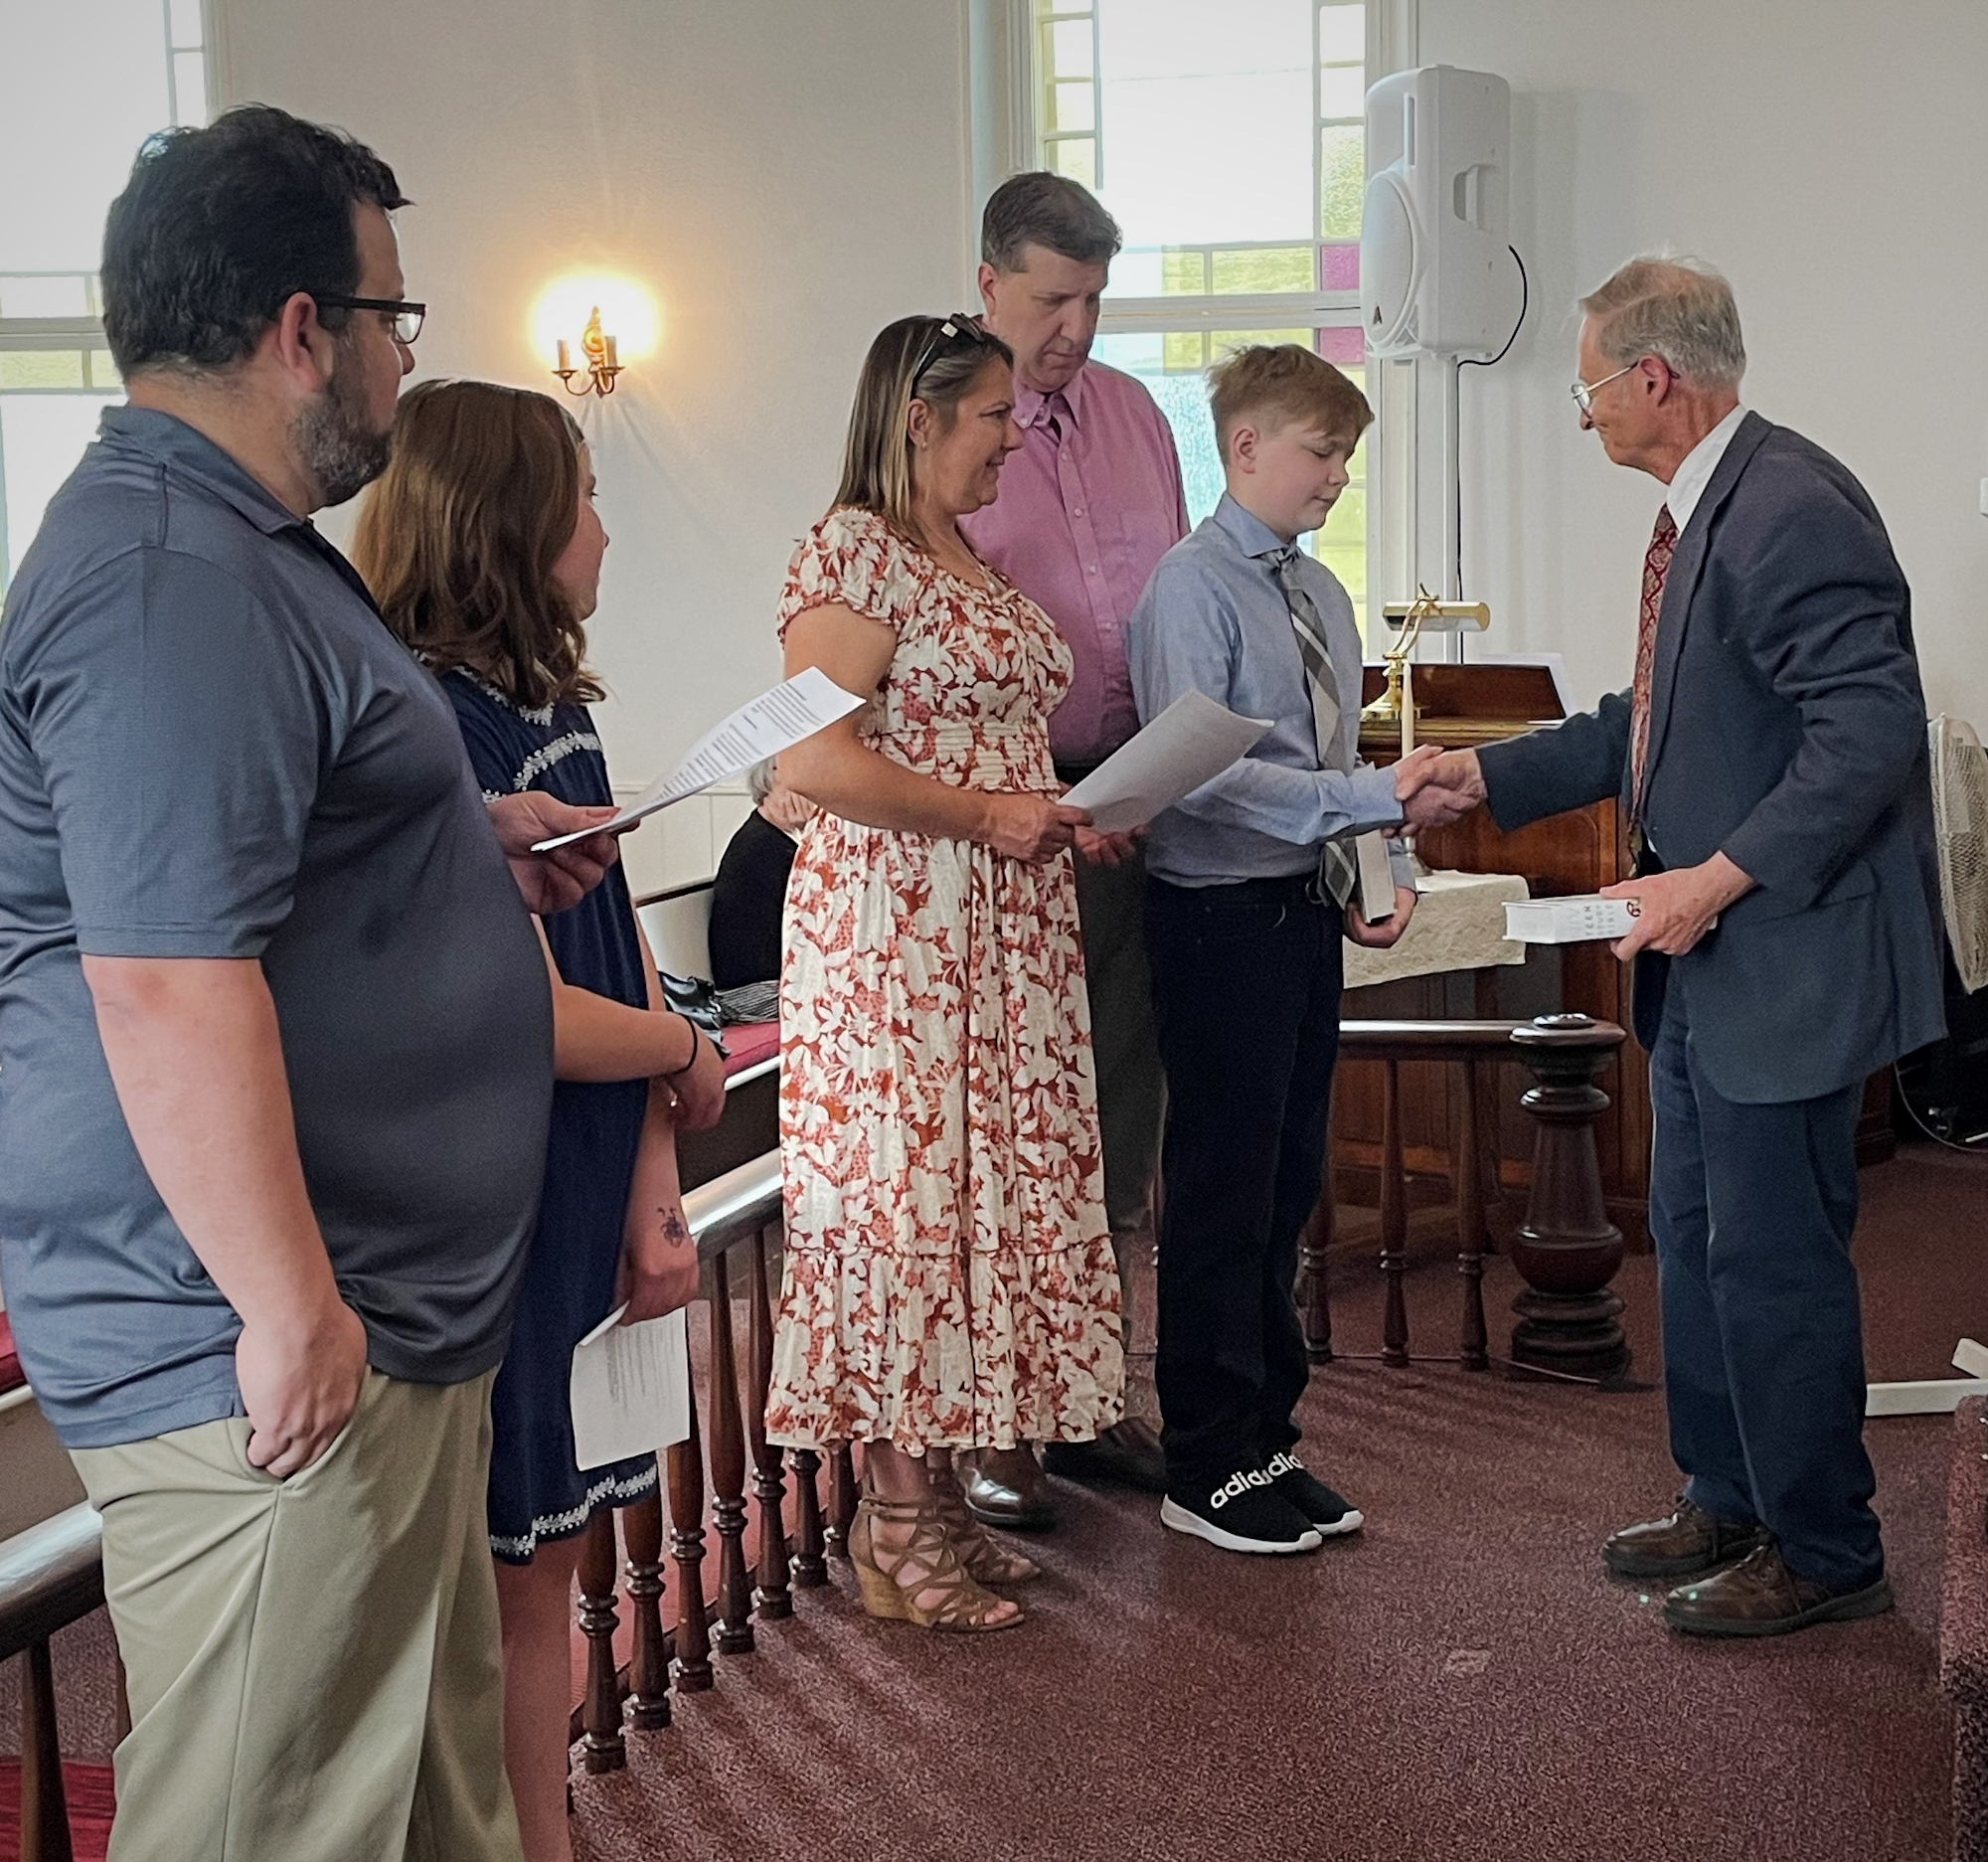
(482,547)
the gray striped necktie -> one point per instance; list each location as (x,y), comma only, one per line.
(1338,867)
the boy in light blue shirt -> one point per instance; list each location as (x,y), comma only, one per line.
(1252,881)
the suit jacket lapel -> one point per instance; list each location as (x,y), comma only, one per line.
(1681,582)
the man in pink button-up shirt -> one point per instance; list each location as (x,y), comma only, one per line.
(1087,506)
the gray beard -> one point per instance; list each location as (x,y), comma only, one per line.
(335,445)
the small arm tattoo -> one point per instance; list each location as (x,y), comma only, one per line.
(675,1230)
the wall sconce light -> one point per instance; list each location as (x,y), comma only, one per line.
(602,364)
(614,319)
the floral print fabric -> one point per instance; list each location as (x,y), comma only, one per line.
(950,1276)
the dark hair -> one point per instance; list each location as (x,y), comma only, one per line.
(459,537)
(910,360)
(217,226)
(1042,209)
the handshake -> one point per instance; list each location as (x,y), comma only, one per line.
(1437,786)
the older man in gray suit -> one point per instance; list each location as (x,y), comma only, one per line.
(1771,756)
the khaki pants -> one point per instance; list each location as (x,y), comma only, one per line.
(313,1663)
(1131,1089)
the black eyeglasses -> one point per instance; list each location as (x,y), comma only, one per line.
(407,317)
(956,328)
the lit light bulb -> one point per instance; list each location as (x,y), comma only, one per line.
(629,313)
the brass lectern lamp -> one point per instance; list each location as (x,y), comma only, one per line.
(1394,713)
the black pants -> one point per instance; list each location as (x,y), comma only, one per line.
(1751,1209)
(1247,982)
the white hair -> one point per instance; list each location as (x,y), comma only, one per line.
(1679,309)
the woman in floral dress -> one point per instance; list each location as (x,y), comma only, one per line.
(950,1276)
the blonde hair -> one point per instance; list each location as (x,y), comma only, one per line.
(459,535)
(1286,380)
(910,359)
(1678,309)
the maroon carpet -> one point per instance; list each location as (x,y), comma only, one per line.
(1461,1682)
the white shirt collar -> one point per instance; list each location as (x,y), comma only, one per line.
(1688,484)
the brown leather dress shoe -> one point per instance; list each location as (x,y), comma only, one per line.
(1680,1545)
(1760,1595)
(1004,1487)
(1127,1455)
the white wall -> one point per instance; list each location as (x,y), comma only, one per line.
(1829,156)
(786,176)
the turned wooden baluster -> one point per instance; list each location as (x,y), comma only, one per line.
(1566,1248)
(603,1747)
(841,1500)
(691,1666)
(44,1808)
(810,1561)
(770,1595)
(1393,1221)
(1466,1175)
(648,1660)
(733,1632)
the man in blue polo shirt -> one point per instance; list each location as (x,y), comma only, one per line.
(275,1040)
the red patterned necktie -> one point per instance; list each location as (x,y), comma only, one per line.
(1656,566)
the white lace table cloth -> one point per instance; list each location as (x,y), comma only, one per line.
(1460,924)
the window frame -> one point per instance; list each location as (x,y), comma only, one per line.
(82,336)
(1390,33)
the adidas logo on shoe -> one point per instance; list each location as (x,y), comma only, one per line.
(1241,1482)
(1329,1513)
(1244,1513)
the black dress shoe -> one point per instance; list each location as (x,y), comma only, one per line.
(1760,1595)
(1127,1455)
(1680,1545)
(1020,1505)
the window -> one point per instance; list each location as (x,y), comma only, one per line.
(81,85)
(1228,138)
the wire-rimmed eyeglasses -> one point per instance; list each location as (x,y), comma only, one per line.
(1584,391)
(408,316)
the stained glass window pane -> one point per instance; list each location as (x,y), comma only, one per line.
(1342,90)
(1072,106)
(1342,179)
(1076,157)
(1341,35)
(1262,268)
(1070,48)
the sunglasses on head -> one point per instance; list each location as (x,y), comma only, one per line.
(953,329)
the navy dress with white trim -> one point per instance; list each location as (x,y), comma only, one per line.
(537,1493)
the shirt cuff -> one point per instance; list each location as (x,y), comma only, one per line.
(1373,802)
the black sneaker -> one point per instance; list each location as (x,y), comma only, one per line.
(1243,1513)
(1329,1513)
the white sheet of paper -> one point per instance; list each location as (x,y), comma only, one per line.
(1193,741)
(629,1388)
(772,721)
(1376,877)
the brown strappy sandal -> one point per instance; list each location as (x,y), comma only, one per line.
(926,1566)
(986,1561)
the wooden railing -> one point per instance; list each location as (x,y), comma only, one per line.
(1566,1248)
(731,1218)
(50,1575)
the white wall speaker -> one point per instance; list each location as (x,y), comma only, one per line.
(1437,277)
